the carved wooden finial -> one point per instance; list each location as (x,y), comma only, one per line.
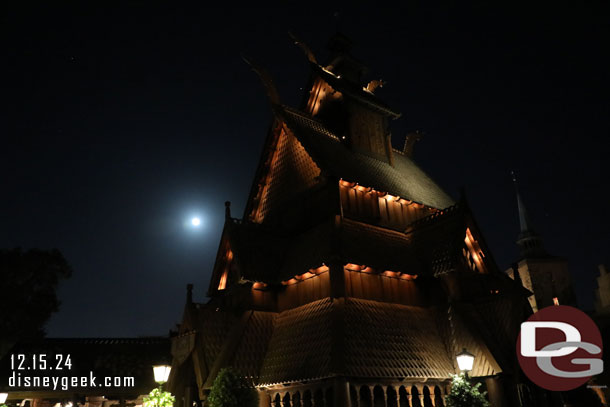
(227,209)
(304,47)
(189,293)
(265,77)
(374,84)
(410,141)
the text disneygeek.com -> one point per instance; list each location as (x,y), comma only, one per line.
(18,380)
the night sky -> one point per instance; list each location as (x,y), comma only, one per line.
(121,122)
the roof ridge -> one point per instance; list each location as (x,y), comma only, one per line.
(317,125)
(333,157)
(355,91)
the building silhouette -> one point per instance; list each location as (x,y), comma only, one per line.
(352,278)
(546,276)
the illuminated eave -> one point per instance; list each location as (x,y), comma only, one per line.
(259,285)
(350,267)
(385,195)
(361,268)
(307,275)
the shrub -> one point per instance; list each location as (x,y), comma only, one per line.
(231,390)
(465,394)
(159,398)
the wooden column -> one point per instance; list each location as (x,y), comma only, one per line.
(495,391)
(341,392)
(409,399)
(264,400)
(188,397)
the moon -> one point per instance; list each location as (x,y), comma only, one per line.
(196,222)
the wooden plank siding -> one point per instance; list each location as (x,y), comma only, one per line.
(304,292)
(367,205)
(378,287)
(358,284)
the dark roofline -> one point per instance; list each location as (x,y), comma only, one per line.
(147,340)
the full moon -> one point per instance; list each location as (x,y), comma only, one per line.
(195,222)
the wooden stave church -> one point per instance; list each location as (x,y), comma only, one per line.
(352,279)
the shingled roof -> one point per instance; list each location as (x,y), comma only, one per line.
(353,337)
(404,178)
(300,347)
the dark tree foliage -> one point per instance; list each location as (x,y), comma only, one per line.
(231,390)
(465,394)
(29,282)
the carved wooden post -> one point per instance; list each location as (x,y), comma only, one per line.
(341,392)
(264,400)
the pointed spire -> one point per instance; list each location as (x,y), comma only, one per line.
(528,240)
(524,219)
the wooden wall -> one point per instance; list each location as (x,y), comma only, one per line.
(303,292)
(358,284)
(374,286)
(371,206)
(263,300)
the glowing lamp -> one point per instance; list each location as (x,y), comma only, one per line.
(161,373)
(3,397)
(465,360)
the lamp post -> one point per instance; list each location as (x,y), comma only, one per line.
(465,360)
(3,397)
